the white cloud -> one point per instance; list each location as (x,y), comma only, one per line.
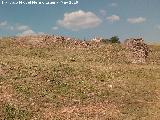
(27,32)
(113,4)
(55,28)
(10,27)
(79,20)
(40,33)
(158,27)
(103,12)
(22,27)
(113,18)
(4,23)
(30,32)
(136,20)
(16,27)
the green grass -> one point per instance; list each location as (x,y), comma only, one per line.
(59,83)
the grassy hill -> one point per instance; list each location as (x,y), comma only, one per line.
(60,82)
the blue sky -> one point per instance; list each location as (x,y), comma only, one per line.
(87,19)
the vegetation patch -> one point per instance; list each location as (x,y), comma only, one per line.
(67,81)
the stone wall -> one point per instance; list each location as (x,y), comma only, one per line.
(43,40)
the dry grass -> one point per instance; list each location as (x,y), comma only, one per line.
(61,81)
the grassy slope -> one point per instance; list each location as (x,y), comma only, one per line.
(83,83)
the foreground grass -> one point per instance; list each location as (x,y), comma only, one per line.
(59,83)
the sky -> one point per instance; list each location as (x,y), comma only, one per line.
(83,19)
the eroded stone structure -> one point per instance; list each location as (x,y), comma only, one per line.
(97,39)
(43,40)
(138,51)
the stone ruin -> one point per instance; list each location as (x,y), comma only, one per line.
(138,51)
(97,39)
(44,40)
(40,40)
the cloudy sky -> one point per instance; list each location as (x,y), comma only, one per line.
(87,19)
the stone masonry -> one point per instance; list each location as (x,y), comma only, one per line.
(138,51)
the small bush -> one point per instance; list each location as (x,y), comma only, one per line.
(114,39)
(106,41)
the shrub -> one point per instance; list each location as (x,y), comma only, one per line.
(105,40)
(114,39)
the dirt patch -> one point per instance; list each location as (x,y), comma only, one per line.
(103,110)
(6,93)
(1,71)
(48,113)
